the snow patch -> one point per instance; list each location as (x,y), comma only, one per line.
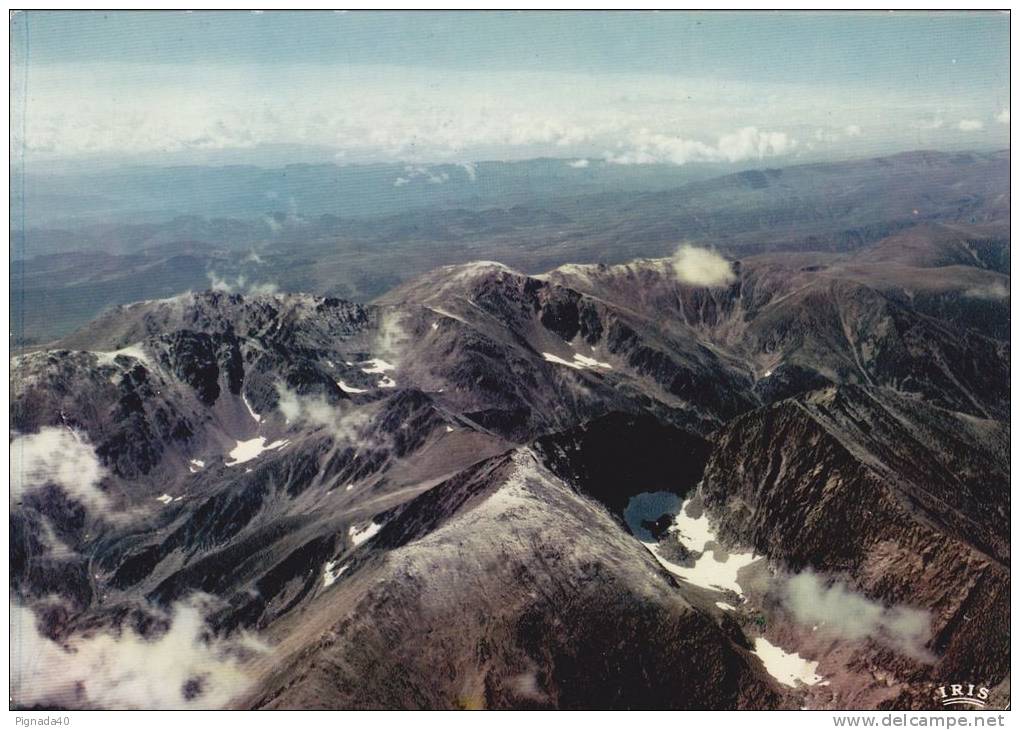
(449,429)
(560,361)
(256,416)
(349,389)
(448,315)
(581,362)
(788,668)
(135,351)
(251,449)
(724,606)
(331,573)
(692,532)
(365,533)
(591,362)
(165,498)
(387,382)
(708,571)
(377,366)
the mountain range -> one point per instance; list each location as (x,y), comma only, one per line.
(532,216)
(768,469)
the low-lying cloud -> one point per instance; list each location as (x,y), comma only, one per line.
(313,410)
(217,283)
(415,172)
(747,143)
(241,284)
(316,411)
(61,456)
(391,338)
(701,267)
(184,668)
(834,607)
(380,113)
(995,291)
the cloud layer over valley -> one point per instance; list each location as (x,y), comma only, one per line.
(832,606)
(182,668)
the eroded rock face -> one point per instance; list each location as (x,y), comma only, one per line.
(886,491)
(537,546)
(191,356)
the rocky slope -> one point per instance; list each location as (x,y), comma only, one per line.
(908,502)
(541,621)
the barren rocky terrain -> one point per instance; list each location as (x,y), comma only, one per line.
(750,475)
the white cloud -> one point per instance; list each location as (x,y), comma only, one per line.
(970,125)
(58,456)
(1002,117)
(471,170)
(223,285)
(835,608)
(241,283)
(994,291)
(701,267)
(929,125)
(315,411)
(582,163)
(379,113)
(181,669)
(852,130)
(391,338)
(748,143)
(305,409)
(422,172)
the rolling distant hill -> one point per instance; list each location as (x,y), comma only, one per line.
(157,194)
(837,207)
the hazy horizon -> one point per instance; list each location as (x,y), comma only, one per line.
(267,88)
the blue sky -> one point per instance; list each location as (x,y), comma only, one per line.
(626,87)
